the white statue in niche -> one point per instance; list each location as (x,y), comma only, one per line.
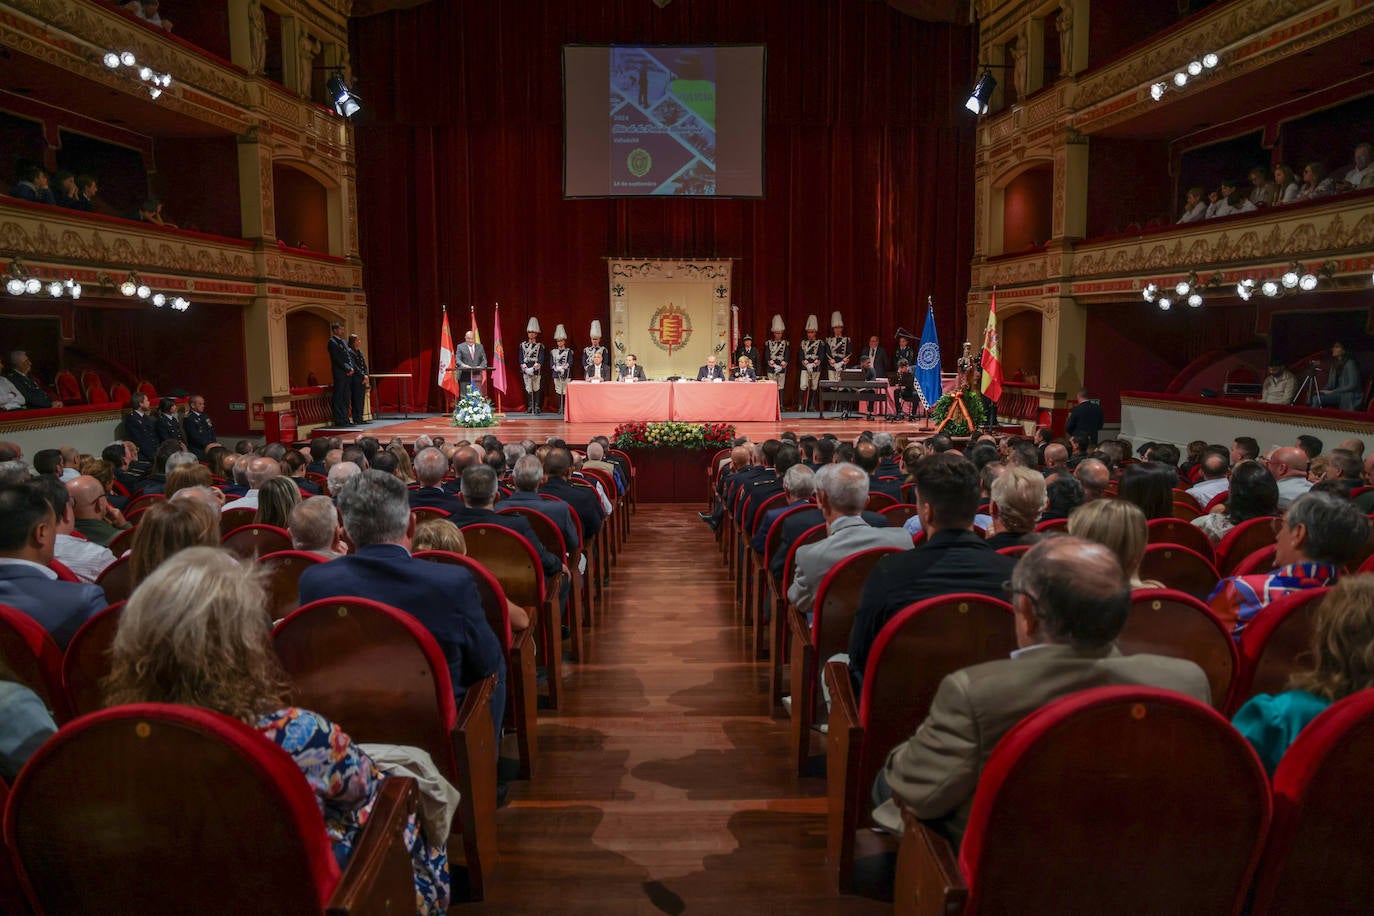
(257,37)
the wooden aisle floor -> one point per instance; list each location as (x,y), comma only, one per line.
(663,785)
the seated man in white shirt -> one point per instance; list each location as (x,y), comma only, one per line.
(85,558)
(1362,175)
(1216,465)
(1194,208)
(260,470)
(10,398)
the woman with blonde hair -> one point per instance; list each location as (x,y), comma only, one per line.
(276,498)
(196,633)
(1119,526)
(1343,663)
(168,527)
(404,469)
(188,475)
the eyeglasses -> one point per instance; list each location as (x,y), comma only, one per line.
(1012,592)
(1277,524)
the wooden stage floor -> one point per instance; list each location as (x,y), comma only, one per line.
(515,427)
(663,784)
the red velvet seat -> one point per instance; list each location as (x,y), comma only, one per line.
(86,663)
(1259,561)
(284,568)
(68,389)
(1243,540)
(116,581)
(755,572)
(424,513)
(251,541)
(1014,550)
(1054,524)
(162,809)
(146,387)
(1168,622)
(1277,643)
(518,646)
(34,657)
(1184,534)
(837,600)
(552,539)
(379,674)
(120,395)
(140,503)
(1179,568)
(916,649)
(122,542)
(879,501)
(898,514)
(1317,857)
(773,595)
(1114,800)
(231,519)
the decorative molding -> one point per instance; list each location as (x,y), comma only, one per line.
(307,272)
(668,270)
(1305,421)
(1017,272)
(56,421)
(123,249)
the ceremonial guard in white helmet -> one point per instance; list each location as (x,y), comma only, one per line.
(593,349)
(532,365)
(775,351)
(560,364)
(811,359)
(838,348)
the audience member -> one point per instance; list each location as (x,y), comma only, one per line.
(1263,190)
(315,528)
(1085,418)
(260,470)
(443,598)
(25,724)
(276,499)
(557,482)
(442,534)
(1150,485)
(1120,527)
(167,527)
(1318,535)
(10,397)
(1341,662)
(139,427)
(96,519)
(20,375)
(188,475)
(1280,385)
(28,530)
(1285,184)
(1289,467)
(148,10)
(528,476)
(841,494)
(194,633)
(1229,200)
(1253,493)
(430,467)
(1315,182)
(1063,494)
(1194,206)
(1216,465)
(479,496)
(1094,475)
(953,558)
(31,183)
(1018,499)
(166,425)
(1070,601)
(86,559)
(1344,389)
(340,473)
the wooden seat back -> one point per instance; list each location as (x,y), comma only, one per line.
(879,501)
(1277,643)
(117,581)
(34,657)
(1173,623)
(511,559)
(131,809)
(86,663)
(1241,541)
(1257,562)
(248,542)
(1179,568)
(832,617)
(1183,832)
(544,527)
(898,514)
(284,568)
(1184,534)
(233,519)
(1316,859)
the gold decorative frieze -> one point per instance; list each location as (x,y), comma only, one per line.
(70,241)
(311,272)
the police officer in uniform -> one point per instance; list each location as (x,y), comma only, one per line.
(811,356)
(198,428)
(747,348)
(776,350)
(594,349)
(560,364)
(357,388)
(904,349)
(532,365)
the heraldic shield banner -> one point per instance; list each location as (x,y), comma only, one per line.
(670,314)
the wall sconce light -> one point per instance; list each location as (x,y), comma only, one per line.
(1193,70)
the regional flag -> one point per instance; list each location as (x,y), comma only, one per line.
(927,368)
(447,380)
(992,355)
(498,358)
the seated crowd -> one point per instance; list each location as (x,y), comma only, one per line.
(194,632)
(1280,185)
(77,191)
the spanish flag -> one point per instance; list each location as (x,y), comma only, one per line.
(992,355)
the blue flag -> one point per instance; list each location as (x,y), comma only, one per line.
(927,368)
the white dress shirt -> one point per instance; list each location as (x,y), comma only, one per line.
(85,558)
(10,398)
(1206,491)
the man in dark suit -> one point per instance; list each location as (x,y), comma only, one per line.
(632,371)
(583,500)
(953,559)
(469,359)
(199,429)
(798,523)
(28,532)
(799,483)
(528,476)
(139,428)
(441,597)
(866,457)
(711,372)
(1085,418)
(1071,599)
(341,362)
(768,485)
(20,376)
(597,370)
(479,495)
(430,467)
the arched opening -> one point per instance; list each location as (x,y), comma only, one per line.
(1021,332)
(1028,209)
(305,209)
(307,343)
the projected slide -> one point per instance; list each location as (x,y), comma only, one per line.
(663,121)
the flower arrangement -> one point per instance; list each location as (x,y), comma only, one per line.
(957,426)
(473,410)
(673,433)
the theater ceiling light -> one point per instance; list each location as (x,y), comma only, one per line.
(346,102)
(19,281)
(1295,279)
(1193,70)
(981,94)
(153,80)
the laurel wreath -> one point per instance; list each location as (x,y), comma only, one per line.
(957,426)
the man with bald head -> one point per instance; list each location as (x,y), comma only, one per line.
(1070,600)
(464,457)
(1094,475)
(430,467)
(1056,459)
(1288,464)
(96,520)
(1216,465)
(260,470)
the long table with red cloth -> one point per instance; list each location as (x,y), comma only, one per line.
(697,402)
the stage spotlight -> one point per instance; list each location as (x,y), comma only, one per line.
(1150,293)
(1180,79)
(346,101)
(1269,288)
(1307,282)
(1210,60)
(1165,304)
(127,58)
(981,94)
(1195,300)
(1194,68)
(1157,91)
(1290,278)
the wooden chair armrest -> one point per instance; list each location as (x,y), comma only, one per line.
(474,750)
(379,876)
(928,880)
(803,680)
(843,794)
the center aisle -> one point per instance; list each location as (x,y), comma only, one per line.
(663,785)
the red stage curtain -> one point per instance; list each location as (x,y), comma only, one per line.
(869,181)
